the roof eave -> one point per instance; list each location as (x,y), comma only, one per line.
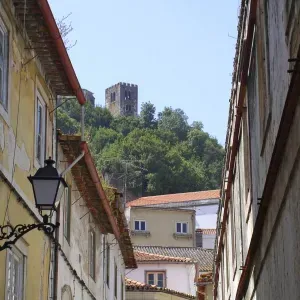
(94,174)
(61,49)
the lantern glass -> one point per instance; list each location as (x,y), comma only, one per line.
(45,191)
(45,185)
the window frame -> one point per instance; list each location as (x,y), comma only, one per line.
(128,108)
(5,105)
(181,227)
(22,257)
(155,273)
(140,222)
(67,213)
(92,254)
(40,101)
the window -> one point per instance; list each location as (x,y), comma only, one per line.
(127,95)
(182,227)
(92,253)
(3,65)
(67,213)
(40,129)
(116,280)
(156,278)
(113,97)
(128,107)
(107,263)
(140,225)
(15,275)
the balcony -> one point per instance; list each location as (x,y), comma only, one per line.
(182,235)
(140,233)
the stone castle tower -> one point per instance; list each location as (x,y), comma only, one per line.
(121,99)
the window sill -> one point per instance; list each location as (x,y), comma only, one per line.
(140,232)
(182,235)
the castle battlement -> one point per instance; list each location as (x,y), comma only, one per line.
(122,99)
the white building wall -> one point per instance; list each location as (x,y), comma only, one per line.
(208,241)
(179,277)
(77,253)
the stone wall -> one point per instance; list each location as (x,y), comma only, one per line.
(250,215)
(122,99)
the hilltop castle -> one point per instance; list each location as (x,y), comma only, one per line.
(121,99)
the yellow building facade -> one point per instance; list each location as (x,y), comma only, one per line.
(34,69)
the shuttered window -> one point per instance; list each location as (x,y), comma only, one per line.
(15,275)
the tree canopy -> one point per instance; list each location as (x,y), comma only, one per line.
(148,155)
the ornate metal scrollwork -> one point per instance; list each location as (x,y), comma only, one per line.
(12,234)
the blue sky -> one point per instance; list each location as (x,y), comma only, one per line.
(177,51)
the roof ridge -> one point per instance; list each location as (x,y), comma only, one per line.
(178,194)
(176,247)
(181,258)
(175,198)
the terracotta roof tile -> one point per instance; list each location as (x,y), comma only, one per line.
(70,145)
(132,285)
(206,277)
(207,231)
(174,198)
(204,257)
(147,257)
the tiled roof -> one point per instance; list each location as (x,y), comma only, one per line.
(132,285)
(207,231)
(146,257)
(206,277)
(204,257)
(70,145)
(174,198)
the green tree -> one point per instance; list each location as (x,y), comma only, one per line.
(174,120)
(125,125)
(104,137)
(196,139)
(147,115)
(66,124)
(159,156)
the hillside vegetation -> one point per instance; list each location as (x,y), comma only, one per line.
(148,155)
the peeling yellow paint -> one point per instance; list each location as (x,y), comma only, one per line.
(17,155)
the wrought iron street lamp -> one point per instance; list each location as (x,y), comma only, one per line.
(45,184)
